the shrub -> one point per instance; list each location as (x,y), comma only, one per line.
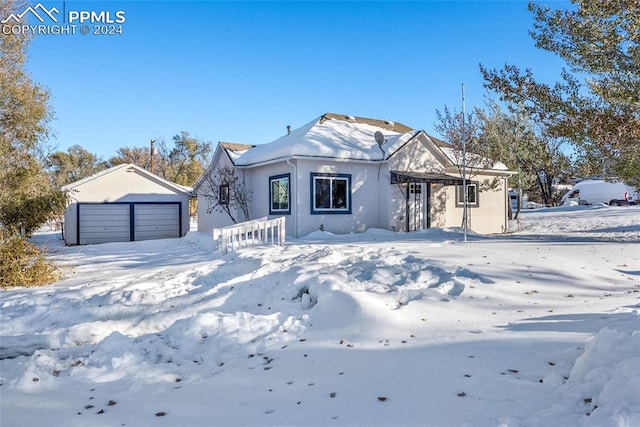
(22,214)
(23,264)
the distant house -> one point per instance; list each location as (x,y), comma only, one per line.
(125,203)
(348,174)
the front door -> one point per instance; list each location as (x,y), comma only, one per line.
(418,201)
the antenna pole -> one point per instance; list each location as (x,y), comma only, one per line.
(464,170)
(151,156)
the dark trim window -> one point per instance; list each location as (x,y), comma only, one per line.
(472,195)
(280,194)
(223,194)
(330,193)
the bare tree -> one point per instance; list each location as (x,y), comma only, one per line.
(460,129)
(225,191)
(463,145)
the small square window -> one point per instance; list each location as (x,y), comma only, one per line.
(472,195)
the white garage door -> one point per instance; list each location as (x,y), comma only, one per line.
(101,223)
(156,221)
(111,222)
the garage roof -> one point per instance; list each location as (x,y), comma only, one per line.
(178,188)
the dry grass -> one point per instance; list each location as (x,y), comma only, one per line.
(23,264)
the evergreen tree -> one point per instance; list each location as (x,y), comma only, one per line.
(600,41)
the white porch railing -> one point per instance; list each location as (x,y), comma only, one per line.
(262,231)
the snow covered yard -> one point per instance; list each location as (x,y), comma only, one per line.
(535,328)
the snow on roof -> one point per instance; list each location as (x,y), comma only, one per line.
(330,136)
(455,156)
(234,150)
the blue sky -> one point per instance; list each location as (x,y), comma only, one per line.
(243,71)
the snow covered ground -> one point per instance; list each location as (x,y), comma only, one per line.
(535,328)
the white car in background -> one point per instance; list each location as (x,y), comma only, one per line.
(593,191)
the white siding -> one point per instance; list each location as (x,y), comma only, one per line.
(208,216)
(258,181)
(487,218)
(366,178)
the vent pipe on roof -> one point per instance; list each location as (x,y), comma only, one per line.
(288,129)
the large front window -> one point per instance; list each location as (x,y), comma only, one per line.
(279,192)
(330,193)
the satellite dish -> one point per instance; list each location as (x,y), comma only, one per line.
(379,138)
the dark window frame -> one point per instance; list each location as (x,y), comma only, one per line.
(223,194)
(273,178)
(332,178)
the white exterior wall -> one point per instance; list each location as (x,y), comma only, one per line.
(375,202)
(396,217)
(366,181)
(258,181)
(487,218)
(439,195)
(122,185)
(415,156)
(207,221)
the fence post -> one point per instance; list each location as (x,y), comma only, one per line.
(281,232)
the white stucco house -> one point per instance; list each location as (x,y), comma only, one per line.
(333,174)
(122,204)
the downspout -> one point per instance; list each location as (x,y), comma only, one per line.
(295,197)
(507,199)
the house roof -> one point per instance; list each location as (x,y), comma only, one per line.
(473,160)
(126,166)
(384,124)
(398,177)
(233,146)
(330,136)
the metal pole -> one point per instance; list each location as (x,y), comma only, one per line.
(464,170)
(151,156)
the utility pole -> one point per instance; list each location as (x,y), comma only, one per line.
(464,171)
(151,153)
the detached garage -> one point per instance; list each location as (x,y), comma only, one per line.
(123,204)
